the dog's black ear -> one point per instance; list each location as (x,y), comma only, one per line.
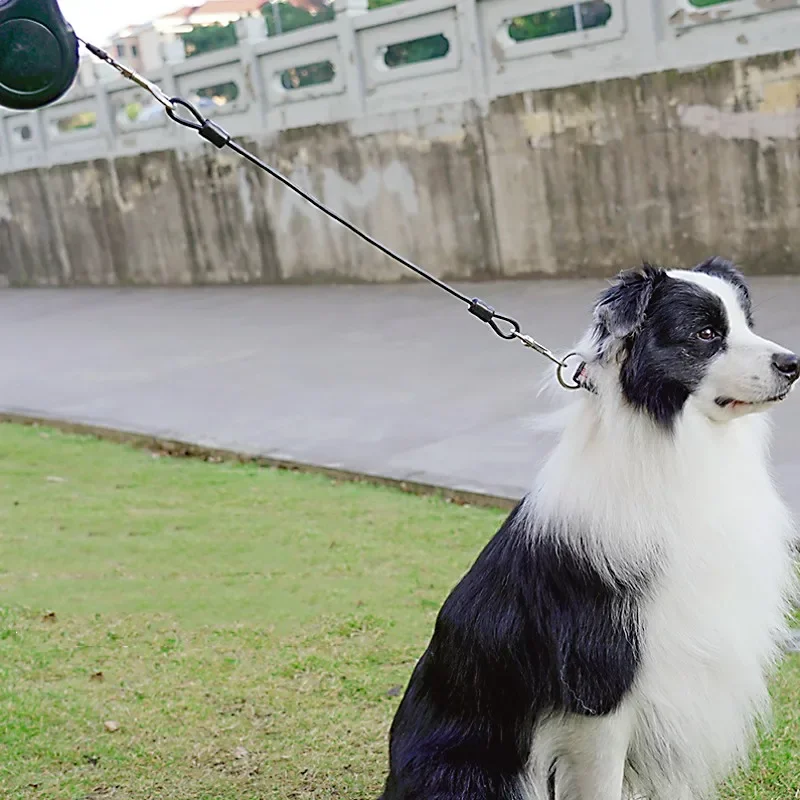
(620,309)
(728,271)
(722,268)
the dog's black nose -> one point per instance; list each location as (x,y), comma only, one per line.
(787,364)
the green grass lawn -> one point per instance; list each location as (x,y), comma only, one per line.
(246,631)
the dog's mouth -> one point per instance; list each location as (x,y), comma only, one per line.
(729,402)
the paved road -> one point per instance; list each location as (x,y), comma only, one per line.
(390,380)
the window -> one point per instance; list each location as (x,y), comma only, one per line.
(77,122)
(121,50)
(565,19)
(219,95)
(427,48)
(134,51)
(308,75)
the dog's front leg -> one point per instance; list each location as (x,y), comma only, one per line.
(592,756)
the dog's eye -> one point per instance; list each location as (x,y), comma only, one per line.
(707,334)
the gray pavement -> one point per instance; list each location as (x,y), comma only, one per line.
(397,381)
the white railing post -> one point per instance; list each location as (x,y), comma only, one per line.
(5,145)
(351,55)
(44,145)
(250,31)
(473,43)
(172,53)
(105,117)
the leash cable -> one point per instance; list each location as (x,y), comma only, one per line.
(220,138)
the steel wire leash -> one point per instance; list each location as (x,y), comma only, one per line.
(220,138)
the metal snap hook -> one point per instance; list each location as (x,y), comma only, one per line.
(560,373)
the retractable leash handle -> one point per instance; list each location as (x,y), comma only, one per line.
(38,53)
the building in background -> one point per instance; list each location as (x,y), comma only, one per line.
(213,12)
(144,46)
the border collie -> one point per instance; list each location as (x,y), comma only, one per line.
(614,639)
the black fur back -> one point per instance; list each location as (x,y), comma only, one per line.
(530,629)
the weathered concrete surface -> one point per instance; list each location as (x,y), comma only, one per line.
(395,381)
(574,181)
(670,166)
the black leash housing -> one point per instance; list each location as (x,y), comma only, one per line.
(38,53)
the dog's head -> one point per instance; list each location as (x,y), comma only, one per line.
(669,338)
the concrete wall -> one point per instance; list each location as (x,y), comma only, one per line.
(670,167)
(470,182)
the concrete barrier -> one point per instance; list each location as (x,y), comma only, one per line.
(666,130)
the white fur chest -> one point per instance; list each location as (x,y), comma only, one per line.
(713,625)
(700,510)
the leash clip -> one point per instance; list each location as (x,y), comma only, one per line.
(131,74)
(529,341)
(580,380)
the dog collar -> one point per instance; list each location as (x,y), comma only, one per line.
(581,379)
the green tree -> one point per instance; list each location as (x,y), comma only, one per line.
(293,17)
(416,50)
(308,75)
(593,13)
(206,38)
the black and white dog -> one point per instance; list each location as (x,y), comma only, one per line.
(614,639)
